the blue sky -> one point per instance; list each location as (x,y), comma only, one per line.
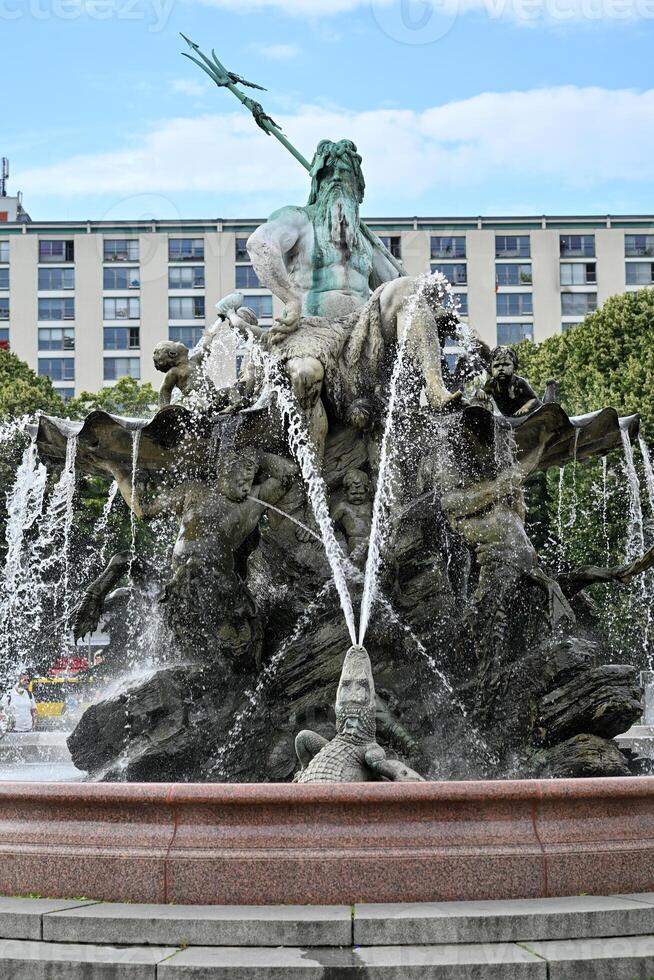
(458,106)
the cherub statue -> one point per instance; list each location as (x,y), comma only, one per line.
(182,370)
(354,514)
(512,394)
(353,755)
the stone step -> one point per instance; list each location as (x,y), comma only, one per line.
(585,916)
(29,960)
(443,923)
(201,925)
(630,958)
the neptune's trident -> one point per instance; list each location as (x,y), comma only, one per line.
(227,79)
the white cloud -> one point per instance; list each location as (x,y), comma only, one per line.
(573,138)
(416,17)
(278,52)
(187,86)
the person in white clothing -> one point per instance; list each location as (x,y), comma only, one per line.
(21,705)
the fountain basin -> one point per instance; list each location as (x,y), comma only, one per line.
(262,844)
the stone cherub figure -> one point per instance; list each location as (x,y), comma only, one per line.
(512,394)
(354,514)
(353,755)
(182,369)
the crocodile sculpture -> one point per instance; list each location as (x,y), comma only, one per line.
(353,755)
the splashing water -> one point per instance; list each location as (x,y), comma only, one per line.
(136,442)
(559,507)
(24,506)
(605,497)
(649,472)
(383,499)
(283,513)
(635,532)
(572,515)
(302,448)
(384,491)
(103,523)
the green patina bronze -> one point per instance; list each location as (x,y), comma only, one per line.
(226,79)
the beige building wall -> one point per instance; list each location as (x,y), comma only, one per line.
(480,252)
(153,260)
(546,274)
(23,256)
(610,252)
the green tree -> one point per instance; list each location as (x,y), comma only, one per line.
(127,397)
(606,360)
(580,516)
(22,392)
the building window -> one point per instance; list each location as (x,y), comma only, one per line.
(4,251)
(190,336)
(123,308)
(513,274)
(4,307)
(122,338)
(640,273)
(569,326)
(246,277)
(577,246)
(4,278)
(57,278)
(121,249)
(262,305)
(57,368)
(578,304)
(456,274)
(65,393)
(186,308)
(513,333)
(578,273)
(635,246)
(512,247)
(393,244)
(121,278)
(57,309)
(122,367)
(186,277)
(4,338)
(448,247)
(241,250)
(514,304)
(185,249)
(56,338)
(57,251)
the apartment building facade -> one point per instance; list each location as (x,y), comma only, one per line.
(86,302)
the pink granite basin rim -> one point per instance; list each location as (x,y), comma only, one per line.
(259,844)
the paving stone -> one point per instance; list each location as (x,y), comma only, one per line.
(26,960)
(203,925)
(463,962)
(627,958)
(502,921)
(20,918)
